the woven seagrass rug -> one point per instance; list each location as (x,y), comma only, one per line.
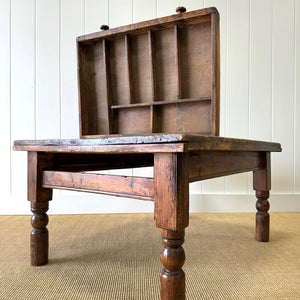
(117,257)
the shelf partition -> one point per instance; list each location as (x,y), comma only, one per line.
(129,68)
(178,61)
(153,111)
(107,93)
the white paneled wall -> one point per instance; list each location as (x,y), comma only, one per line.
(260,92)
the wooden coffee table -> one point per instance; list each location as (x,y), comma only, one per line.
(178,159)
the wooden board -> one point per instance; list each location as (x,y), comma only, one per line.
(147,143)
(151,77)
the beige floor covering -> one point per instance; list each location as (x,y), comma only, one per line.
(117,257)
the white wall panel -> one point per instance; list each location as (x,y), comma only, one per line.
(96,14)
(283,94)
(191,4)
(167,7)
(5,144)
(71,26)
(297,97)
(47,69)
(260,88)
(143,10)
(260,81)
(22,87)
(237,72)
(120,12)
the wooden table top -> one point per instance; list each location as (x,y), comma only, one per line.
(146,143)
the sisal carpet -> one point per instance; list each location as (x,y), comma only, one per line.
(117,257)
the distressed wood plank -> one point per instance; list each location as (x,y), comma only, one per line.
(143,27)
(121,186)
(175,141)
(172,190)
(146,148)
(212,164)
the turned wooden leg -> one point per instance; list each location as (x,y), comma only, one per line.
(172,258)
(262,216)
(39,241)
(262,186)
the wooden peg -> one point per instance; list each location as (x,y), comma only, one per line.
(104,27)
(180,9)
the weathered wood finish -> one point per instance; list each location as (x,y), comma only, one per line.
(149,96)
(146,148)
(147,143)
(122,186)
(211,164)
(159,65)
(171,180)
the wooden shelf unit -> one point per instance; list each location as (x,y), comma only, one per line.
(152,78)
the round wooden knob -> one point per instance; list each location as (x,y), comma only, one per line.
(180,9)
(104,27)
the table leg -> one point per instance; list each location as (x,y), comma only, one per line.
(172,258)
(39,242)
(262,216)
(262,186)
(39,198)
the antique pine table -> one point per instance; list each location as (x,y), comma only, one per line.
(149,96)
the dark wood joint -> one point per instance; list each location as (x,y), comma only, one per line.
(37,163)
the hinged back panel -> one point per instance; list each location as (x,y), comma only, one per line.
(158,76)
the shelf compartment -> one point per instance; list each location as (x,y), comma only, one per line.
(141,69)
(165,68)
(94,114)
(132,119)
(196,60)
(184,117)
(119,72)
